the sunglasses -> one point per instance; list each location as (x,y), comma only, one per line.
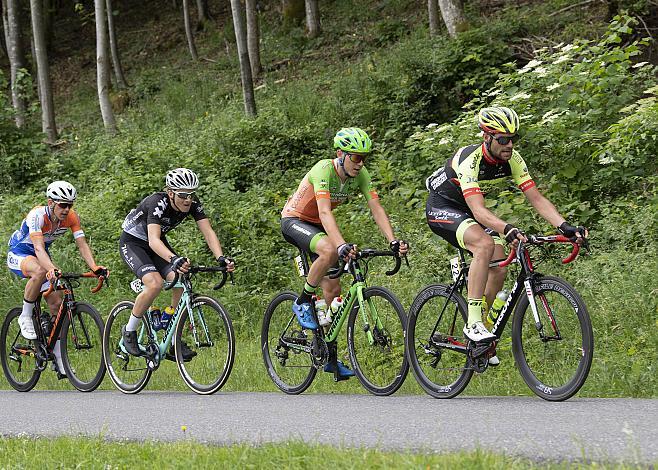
(184,194)
(356,157)
(65,205)
(505,139)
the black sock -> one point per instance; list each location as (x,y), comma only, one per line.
(307,293)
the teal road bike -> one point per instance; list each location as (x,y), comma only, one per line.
(375,334)
(199,321)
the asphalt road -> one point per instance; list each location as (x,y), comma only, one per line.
(579,429)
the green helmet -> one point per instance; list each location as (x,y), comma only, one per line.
(352,139)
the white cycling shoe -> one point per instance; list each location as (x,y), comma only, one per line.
(27,327)
(494,361)
(478,333)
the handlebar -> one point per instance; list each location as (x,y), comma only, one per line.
(370,253)
(59,275)
(541,239)
(204,269)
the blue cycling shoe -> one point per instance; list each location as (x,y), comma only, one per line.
(304,315)
(343,370)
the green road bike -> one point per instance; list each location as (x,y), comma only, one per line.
(198,320)
(375,334)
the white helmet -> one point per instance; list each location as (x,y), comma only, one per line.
(61,191)
(182,178)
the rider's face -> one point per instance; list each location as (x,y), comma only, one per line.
(182,199)
(501,151)
(353,162)
(60,209)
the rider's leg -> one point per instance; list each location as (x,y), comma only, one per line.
(327,257)
(330,288)
(152,287)
(481,246)
(36,277)
(496,277)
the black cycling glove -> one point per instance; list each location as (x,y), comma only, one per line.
(395,245)
(511,233)
(571,231)
(224,260)
(344,250)
(177,262)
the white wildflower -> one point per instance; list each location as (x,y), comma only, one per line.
(532,64)
(553,87)
(428,139)
(431,125)
(443,128)
(541,71)
(606,160)
(444,141)
(562,58)
(520,96)
(568,47)
(640,64)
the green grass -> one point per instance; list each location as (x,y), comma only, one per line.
(76,452)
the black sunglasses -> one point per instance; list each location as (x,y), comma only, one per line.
(505,139)
(356,157)
(65,205)
(184,194)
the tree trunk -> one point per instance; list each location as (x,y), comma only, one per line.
(453,16)
(312,18)
(292,11)
(16,57)
(253,39)
(103,68)
(243,54)
(433,11)
(114,47)
(203,14)
(48,21)
(43,73)
(5,29)
(188,30)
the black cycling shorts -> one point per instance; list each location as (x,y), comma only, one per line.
(140,258)
(451,223)
(302,234)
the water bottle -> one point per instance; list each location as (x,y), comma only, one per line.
(46,324)
(496,307)
(166,315)
(156,318)
(336,304)
(321,310)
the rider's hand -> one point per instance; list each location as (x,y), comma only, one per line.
(101,271)
(513,235)
(399,246)
(346,251)
(52,274)
(571,231)
(226,261)
(180,264)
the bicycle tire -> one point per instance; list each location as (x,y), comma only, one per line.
(84,371)
(21,379)
(129,381)
(425,355)
(279,321)
(379,363)
(567,360)
(217,334)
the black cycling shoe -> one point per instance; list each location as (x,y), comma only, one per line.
(130,343)
(188,354)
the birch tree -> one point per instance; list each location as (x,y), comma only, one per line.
(188,30)
(253,39)
(433,13)
(243,55)
(203,14)
(103,68)
(16,56)
(312,18)
(114,47)
(453,16)
(43,73)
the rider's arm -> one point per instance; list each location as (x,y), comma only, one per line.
(329,221)
(156,244)
(86,253)
(381,219)
(211,237)
(42,255)
(483,215)
(544,207)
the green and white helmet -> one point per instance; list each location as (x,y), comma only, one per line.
(353,140)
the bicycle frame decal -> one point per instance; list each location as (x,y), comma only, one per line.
(348,303)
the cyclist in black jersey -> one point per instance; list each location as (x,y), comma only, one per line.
(456,210)
(145,249)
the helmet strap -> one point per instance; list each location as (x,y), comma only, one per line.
(341,164)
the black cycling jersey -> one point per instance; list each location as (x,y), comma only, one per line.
(156,209)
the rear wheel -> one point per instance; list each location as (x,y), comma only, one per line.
(17,354)
(435,343)
(129,374)
(208,333)
(282,342)
(375,340)
(81,342)
(555,361)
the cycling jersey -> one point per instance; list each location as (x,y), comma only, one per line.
(472,171)
(37,224)
(156,209)
(323,182)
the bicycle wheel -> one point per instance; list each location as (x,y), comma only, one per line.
(282,340)
(435,342)
(209,333)
(555,361)
(376,342)
(81,342)
(19,366)
(128,373)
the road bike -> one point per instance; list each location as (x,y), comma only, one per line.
(552,338)
(78,327)
(199,321)
(375,334)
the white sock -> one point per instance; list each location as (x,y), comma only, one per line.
(133,323)
(27,309)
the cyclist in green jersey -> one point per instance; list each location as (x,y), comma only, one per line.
(308,223)
(456,210)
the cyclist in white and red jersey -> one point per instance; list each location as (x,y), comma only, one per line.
(29,255)
(456,209)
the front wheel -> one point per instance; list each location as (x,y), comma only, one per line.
(555,356)
(284,345)
(81,342)
(375,340)
(129,374)
(208,332)
(17,354)
(435,343)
